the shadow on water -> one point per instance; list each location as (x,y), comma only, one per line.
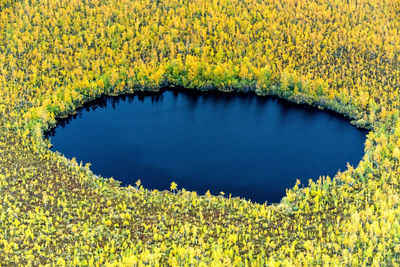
(250,146)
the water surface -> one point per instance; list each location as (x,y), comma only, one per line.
(250,146)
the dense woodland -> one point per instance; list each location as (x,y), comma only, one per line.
(56,55)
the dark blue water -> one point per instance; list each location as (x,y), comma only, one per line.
(250,146)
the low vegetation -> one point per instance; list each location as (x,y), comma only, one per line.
(56,55)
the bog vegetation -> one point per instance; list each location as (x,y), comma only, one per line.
(56,55)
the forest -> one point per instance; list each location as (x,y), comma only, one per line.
(342,55)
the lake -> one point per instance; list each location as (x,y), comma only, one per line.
(249,146)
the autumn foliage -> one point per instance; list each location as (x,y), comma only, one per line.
(56,55)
